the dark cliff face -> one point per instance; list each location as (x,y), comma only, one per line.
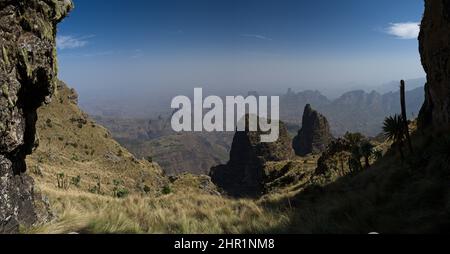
(28,73)
(244,175)
(434,42)
(315,134)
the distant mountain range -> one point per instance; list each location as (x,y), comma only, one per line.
(355,111)
(393,86)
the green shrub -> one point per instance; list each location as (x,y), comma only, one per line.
(97,189)
(118,190)
(147,189)
(75,158)
(49,123)
(62,181)
(166,190)
(36,170)
(75,181)
(122,193)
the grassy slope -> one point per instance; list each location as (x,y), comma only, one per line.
(187,204)
(177,153)
(72,144)
(390,197)
(174,213)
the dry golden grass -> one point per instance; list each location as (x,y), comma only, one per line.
(174,213)
(388,197)
(72,144)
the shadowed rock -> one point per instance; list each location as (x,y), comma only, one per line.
(244,174)
(315,134)
(28,75)
(434,42)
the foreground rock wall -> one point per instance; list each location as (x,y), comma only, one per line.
(434,42)
(28,75)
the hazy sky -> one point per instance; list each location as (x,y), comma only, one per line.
(151,47)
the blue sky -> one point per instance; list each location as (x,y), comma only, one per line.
(171,46)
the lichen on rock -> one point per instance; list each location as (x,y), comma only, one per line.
(28,77)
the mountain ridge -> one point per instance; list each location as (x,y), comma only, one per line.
(354,111)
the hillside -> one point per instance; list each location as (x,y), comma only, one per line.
(387,197)
(82,154)
(80,180)
(175,152)
(185,152)
(390,197)
(91,184)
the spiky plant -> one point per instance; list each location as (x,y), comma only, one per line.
(367,149)
(355,160)
(353,138)
(377,154)
(394,130)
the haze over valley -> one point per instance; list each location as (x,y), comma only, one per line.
(150,135)
(87,130)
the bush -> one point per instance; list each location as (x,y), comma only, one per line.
(62,181)
(49,123)
(97,189)
(166,190)
(75,181)
(122,193)
(75,157)
(36,170)
(146,189)
(119,192)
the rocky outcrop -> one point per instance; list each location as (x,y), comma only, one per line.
(244,174)
(336,159)
(28,72)
(315,134)
(435,53)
